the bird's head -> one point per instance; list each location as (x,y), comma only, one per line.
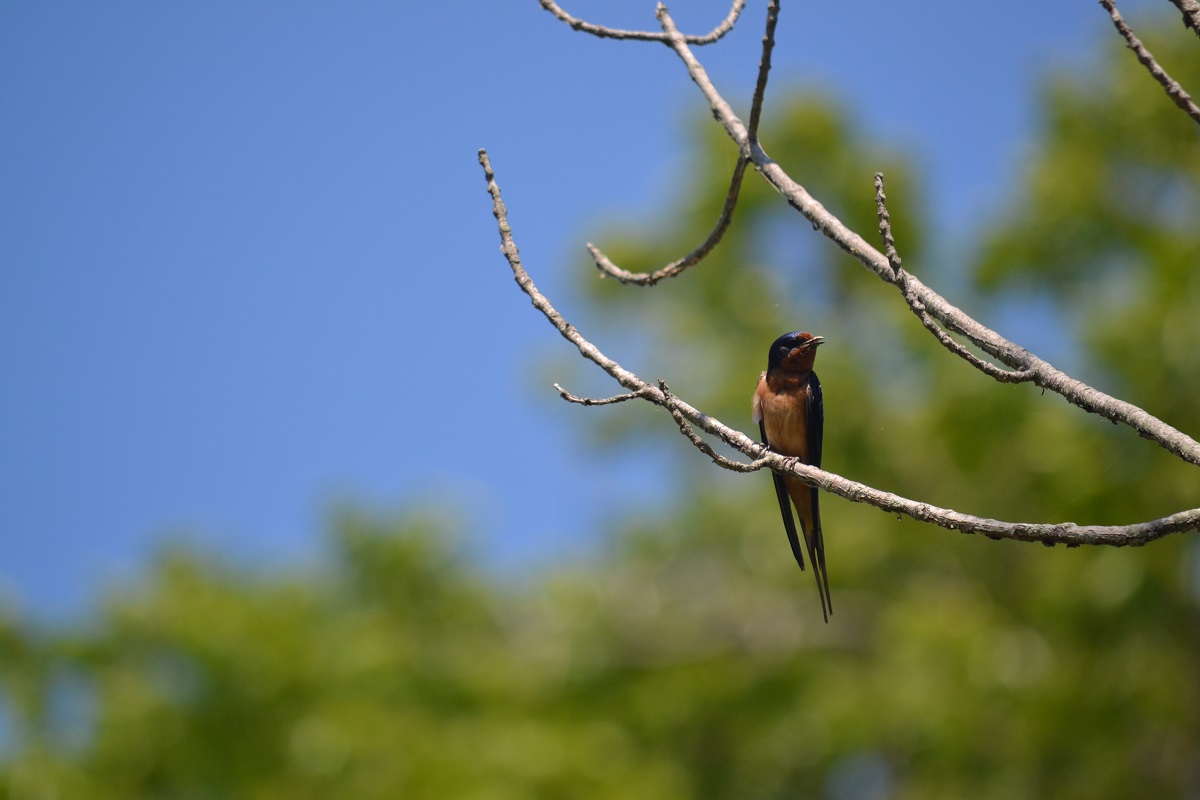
(794,352)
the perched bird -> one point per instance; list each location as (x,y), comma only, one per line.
(790,415)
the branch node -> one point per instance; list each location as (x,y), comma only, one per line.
(671,404)
(900,279)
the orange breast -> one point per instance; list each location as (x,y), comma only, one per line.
(786,421)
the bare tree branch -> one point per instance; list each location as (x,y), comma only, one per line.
(764,67)
(1059,533)
(1018,358)
(645,36)
(596,401)
(672,403)
(885,230)
(568,331)
(900,278)
(1174,90)
(607,267)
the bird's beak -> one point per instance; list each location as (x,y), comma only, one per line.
(816,340)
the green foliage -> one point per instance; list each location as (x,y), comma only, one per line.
(690,661)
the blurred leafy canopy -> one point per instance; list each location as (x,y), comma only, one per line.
(688,661)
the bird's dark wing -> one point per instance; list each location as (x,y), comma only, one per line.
(785,505)
(815,539)
(815,413)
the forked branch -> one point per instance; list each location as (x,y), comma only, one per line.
(934,312)
(1011,355)
(607,267)
(900,279)
(604,32)
(688,418)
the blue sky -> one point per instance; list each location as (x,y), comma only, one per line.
(245,246)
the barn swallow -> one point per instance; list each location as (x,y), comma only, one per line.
(791,417)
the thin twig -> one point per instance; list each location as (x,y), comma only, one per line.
(900,278)
(764,67)
(1041,372)
(885,230)
(607,267)
(1174,90)
(596,401)
(691,259)
(605,32)
(1059,533)
(568,331)
(986,367)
